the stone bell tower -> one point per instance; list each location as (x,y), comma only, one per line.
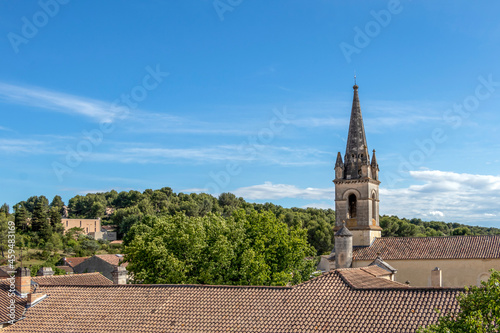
(357,184)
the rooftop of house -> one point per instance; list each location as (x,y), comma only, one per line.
(345,300)
(113,259)
(67,269)
(73,261)
(5,303)
(413,248)
(84,279)
(4,272)
(369,277)
(109,227)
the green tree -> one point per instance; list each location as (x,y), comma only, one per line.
(21,218)
(461,231)
(88,246)
(40,222)
(39,217)
(5,209)
(244,249)
(55,220)
(4,232)
(57,203)
(479,310)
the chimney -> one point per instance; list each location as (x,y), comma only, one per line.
(23,281)
(35,298)
(119,275)
(436,277)
(45,271)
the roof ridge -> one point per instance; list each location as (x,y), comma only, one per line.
(66,275)
(323,275)
(173,285)
(427,237)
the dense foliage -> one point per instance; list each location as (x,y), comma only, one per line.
(125,209)
(247,248)
(395,227)
(479,310)
(38,221)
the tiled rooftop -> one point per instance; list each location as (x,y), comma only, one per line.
(324,304)
(369,278)
(20,303)
(113,259)
(73,261)
(411,248)
(67,269)
(85,279)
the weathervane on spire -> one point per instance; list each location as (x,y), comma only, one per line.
(354,77)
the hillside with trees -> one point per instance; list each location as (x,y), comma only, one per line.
(40,231)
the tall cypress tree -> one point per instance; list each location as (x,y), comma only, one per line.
(21,218)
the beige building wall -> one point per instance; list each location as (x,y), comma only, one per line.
(456,272)
(88,225)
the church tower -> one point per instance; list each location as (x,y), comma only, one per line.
(357,184)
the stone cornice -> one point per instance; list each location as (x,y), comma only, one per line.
(356,181)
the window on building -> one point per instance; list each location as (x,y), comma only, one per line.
(80,224)
(352,206)
(374,207)
(66,224)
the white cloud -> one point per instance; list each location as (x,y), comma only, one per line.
(133,120)
(60,102)
(5,129)
(449,196)
(320,205)
(195,190)
(266,154)
(24,146)
(270,191)
(436,213)
(382,114)
(458,197)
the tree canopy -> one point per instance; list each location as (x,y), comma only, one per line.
(247,248)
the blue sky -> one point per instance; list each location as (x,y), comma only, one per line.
(252,97)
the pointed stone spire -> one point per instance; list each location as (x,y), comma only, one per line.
(339,162)
(374,161)
(356,153)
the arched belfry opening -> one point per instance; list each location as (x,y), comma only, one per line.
(352,206)
(374,207)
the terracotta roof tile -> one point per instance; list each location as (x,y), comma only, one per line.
(367,277)
(67,269)
(73,261)
(411,248)
(85,279)
(20,303)
(324,304)
(113,259)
